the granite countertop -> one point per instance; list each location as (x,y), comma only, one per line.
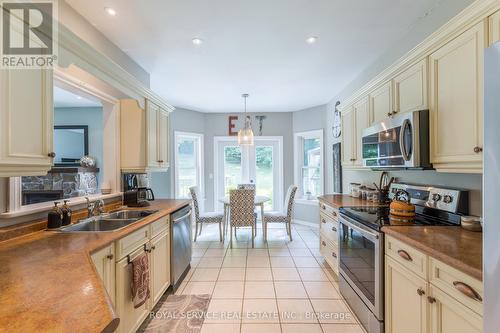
(48,282)
(344,200)
(454,246)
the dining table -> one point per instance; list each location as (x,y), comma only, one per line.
(259,201)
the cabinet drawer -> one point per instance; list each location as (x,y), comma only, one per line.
(330,252)
(460,286)
(329,228)
(329,210)
(131,242)
(407,256)
(159,226)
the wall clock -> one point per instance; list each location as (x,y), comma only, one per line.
(337,122)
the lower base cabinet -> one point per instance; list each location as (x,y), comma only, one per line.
(160,266)
(104,262)
(130,317)
(427,303)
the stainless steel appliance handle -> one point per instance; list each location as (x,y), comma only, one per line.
(350,223)
(404,152)
(182,217)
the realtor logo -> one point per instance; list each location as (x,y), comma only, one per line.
(28,34)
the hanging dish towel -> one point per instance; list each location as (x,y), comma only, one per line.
(140,280)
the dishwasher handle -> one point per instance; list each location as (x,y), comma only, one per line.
(182,217)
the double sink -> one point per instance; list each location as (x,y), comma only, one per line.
(109,222)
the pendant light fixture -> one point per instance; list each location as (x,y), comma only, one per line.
(245,135)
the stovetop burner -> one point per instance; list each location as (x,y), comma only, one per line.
(378,217)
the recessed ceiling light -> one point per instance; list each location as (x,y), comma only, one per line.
(197,41)
(78,97)
(311,40)
(110,11)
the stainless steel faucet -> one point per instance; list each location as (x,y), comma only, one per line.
(95,208)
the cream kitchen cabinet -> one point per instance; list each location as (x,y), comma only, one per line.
(160,266)
(104,262)
(348,137)
(362,121)
(410,89)
(423,294)
(328,239)
(494,27)
(381,102)
(354,120)
(130,317)
(405,299)
(26,122)
(456,102)
(144,137)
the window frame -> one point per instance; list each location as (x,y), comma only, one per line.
(298,159)
(201,166)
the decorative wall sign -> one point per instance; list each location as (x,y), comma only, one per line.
(261,121)
(232,126)
(337,121)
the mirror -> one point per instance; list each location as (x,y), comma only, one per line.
(71,142)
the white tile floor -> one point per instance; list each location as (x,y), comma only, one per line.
(278,286)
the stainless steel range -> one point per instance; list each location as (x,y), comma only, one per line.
(361,243)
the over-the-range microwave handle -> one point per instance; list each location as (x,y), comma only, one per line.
(404,151)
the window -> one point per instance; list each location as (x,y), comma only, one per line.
(308,148)
(188,163)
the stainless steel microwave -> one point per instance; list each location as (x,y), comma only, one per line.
(398,142)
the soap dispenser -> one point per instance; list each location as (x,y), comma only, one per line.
(66,213)
(54,219)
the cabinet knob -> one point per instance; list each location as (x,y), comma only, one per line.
(334,254)
(389,114)
(323,243)
(153,247)
(323,220)
(51,154)
(431,299)
(110,256)
(334,229)
(352,159)
(420,292)
(478,150)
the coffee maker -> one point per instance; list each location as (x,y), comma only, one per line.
(136,190)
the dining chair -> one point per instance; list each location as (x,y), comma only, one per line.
(241,207)
(284,216)
(204,218)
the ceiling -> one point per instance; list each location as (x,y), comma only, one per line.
(66,99)
(256,47)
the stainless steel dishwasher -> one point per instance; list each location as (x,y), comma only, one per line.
(180,244)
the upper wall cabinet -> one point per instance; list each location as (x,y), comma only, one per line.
(495,28)
(26,122)
(410,89)
(144,137)
(355,119)
(456,102)
(381,102)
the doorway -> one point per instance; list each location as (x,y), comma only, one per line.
(260,164)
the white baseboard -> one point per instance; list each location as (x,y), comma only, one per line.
(308,224)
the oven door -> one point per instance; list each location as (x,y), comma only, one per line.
(361,263)
(393,143)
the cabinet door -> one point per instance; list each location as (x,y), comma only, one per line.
(160,266)
(495,28)
(26,124)
(381,102)
(447,315)
(405,300)
(410,89)
(130,317)
(348,143)
(152,129)
(456,101)
(163,138)
(104,262)
(362,121)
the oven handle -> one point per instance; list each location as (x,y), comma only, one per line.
(350,223)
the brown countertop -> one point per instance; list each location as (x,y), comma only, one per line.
(344,200)
(48,282)
(454,246)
